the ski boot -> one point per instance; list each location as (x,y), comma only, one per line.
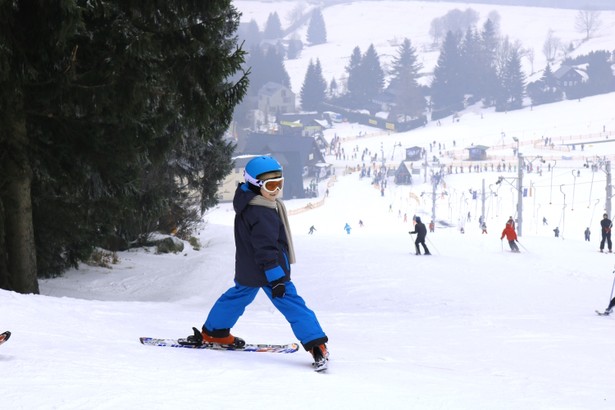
(198,338)
(321,357)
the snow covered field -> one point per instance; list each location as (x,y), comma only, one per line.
(471,327)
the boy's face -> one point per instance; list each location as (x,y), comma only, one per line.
(270,195)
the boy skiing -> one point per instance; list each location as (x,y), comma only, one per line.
(264,253)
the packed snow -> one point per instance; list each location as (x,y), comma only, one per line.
(473,326)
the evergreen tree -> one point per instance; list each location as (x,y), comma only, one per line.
(265,65)
(333,88)
(512,84)
(353,85)
(251,35)
(600,75)
(35,41)
(372,76)
(447,85)
(471,54)
(488,77)
(545,90)
(113,103)
(314,88)
(294,49)
(317,32)
(404,72)
(273,27)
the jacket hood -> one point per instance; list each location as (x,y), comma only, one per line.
(243,196)
(417,219)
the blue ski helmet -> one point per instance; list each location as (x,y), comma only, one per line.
(260,165)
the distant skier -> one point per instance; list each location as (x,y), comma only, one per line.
(556,232)
(347,229)
(421,233)
(544,221)
(606,225)
(511,236)
(483,226)
(587,234)
(432,226)
(312,229)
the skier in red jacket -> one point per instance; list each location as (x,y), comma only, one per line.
(511,236)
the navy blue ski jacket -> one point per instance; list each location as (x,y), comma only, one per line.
(260,241)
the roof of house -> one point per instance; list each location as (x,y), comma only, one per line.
(479,147)
(565,69)
(259,144)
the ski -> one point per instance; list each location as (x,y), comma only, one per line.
(260,348)
(602,313)
(4,336)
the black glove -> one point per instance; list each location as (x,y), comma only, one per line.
(278,288)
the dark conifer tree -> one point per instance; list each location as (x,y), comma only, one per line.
(372,76)
(251,35)
(447,85)
(293,50)
(313,91)
(317,32)
(599,73)
(118,102)
(512,82)
(333,88)
(273,27)
(545,90)
(488,77)
(409,100)
(471,67)
(353,85)
(265,65)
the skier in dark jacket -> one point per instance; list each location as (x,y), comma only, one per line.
(605,227)
(264,253)
(421,233)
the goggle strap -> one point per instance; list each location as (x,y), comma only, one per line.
(249,178)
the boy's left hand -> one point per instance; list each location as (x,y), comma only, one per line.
(278,290)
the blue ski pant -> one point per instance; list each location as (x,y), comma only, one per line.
(230,306)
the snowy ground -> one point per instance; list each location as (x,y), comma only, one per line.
(471,327)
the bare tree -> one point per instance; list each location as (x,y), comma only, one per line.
(588,21)
(296,14)
(550,46)
(529,54)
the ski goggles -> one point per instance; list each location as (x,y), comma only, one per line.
(269,185)
(273,184)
